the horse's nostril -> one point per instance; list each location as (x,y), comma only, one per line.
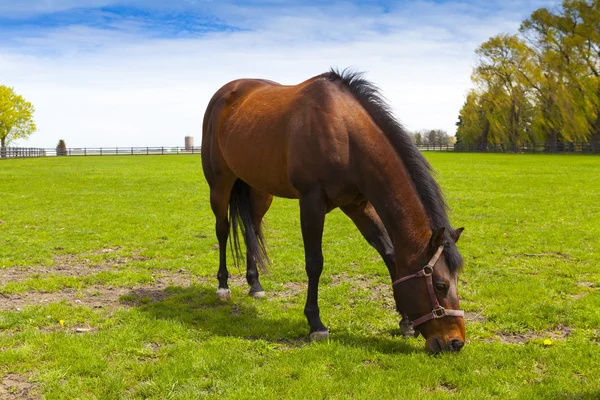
(456,344)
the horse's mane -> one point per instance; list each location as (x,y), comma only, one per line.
(420,171)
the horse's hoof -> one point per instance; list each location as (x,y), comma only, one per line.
(319,335)
(257,295)
(224,294)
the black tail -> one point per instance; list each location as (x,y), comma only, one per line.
(240,218)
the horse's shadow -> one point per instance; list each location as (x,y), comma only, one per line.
(198,307)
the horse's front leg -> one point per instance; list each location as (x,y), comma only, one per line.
(369,224)
(312,219)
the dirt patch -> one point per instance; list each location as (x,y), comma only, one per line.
(68,265)
(442,387)
(586,284)
(18,274)
(559,332)
(475,316)
(377,291)
(555,254)
(15,386)
(103,296)
(291,289)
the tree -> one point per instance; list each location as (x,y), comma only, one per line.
(418,138)
(61,148)
(541,84)
(564,87)
(16,117)
(503,61)
(473,126)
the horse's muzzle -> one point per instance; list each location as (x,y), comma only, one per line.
(434,345)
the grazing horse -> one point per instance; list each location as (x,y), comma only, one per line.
(332,141)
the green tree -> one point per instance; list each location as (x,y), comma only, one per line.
(61,148)
(544,84)
(506,101)
(418,138)
(565,44)
(16,117)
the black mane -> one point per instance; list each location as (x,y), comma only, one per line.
(419,169)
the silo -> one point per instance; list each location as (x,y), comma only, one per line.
(189,142)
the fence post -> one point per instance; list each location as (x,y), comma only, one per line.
(162,150)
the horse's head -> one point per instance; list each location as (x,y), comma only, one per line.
(429,297)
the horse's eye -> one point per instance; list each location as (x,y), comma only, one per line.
(441,287)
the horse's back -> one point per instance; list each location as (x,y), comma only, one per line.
(283,139)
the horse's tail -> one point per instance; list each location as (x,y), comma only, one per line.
(240,218)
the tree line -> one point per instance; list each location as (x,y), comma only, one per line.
(432,137)
(540,85)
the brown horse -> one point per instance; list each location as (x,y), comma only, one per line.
(330,142)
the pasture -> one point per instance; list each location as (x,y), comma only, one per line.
(108,278)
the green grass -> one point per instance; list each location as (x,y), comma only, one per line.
(136,233)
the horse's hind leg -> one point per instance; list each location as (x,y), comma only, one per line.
(220,194)
(260,203)
(370,226)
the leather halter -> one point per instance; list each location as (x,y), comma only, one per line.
(438,311)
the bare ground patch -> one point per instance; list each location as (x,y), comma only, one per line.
(377,291)
(590,285)
(475,316)
(15,386)
(68,265)
(104,296)
(442,387)
(291,289)
(555,254)
(559,332)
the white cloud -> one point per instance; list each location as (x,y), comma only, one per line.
(94,87)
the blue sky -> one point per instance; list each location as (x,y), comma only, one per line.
(138,73)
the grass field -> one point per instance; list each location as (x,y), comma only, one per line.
(107,282)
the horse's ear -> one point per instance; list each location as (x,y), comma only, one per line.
(437,239)
(456,234)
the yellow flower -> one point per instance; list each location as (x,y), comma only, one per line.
(547,342)
(61,322)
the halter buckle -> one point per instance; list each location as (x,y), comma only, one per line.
(438,312)
(427,270)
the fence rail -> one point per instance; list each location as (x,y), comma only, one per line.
(537,147)
(27,152)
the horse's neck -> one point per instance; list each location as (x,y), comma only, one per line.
(389,188)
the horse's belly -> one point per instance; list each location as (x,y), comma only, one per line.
(268,183)
(260,165)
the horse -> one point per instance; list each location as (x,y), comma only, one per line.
(332,141)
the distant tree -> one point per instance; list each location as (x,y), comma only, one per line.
(418,138)
(16,117)
(61,148)
(432,137)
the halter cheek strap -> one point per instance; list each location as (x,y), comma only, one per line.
(438,311)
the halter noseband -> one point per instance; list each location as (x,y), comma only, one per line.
(438,311)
